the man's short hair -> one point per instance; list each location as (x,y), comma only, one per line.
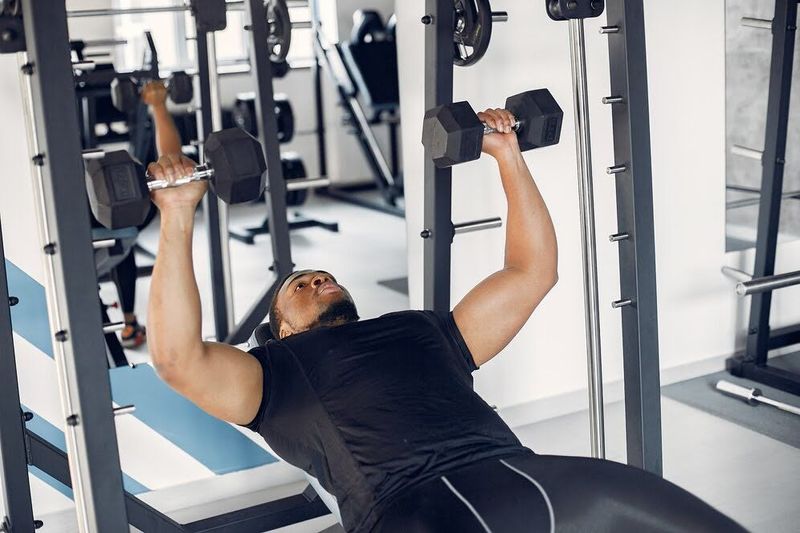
(275,315)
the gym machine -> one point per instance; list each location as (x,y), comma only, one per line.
(38,30)
(458,32)
(754,363)
(363,69)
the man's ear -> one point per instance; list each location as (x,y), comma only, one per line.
(285,330)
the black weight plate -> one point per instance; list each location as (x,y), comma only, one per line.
(279,70)
(472,32)
(179,87)
(285,119)
(280,30)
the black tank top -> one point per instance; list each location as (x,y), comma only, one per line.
(376,407)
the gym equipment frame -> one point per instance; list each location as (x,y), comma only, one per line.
(632,171)
(91,465)
(753,363)
(385,174)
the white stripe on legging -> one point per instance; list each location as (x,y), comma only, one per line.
(469,505)
(541,489)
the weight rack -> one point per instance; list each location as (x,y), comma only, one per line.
(633,175)
(91,465)
(753,363)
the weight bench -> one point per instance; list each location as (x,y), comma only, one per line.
(261,335)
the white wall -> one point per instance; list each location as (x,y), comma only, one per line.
(699,316)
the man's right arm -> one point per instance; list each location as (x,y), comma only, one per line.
(222,380)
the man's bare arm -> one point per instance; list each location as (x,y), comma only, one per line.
(493,312)
(222,380)
(168,140)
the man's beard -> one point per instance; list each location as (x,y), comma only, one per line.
(340,312)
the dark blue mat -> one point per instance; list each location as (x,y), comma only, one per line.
(779,425)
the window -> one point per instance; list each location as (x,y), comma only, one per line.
(171,30)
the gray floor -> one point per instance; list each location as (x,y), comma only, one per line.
(753,478)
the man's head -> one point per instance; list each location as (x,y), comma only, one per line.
(308,299)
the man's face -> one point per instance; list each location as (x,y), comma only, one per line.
(312,298)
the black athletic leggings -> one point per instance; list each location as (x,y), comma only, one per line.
(124,274)
(538,493)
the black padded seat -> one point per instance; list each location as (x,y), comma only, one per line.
(373,68)
(260,335)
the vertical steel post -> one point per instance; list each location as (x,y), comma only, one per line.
(282,265)
(637,265)
(73,305)
(216,219)
(583,148)
(16,488)
(319,101)
(784,29)
(438,186)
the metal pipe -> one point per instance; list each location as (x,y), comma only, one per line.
(96,43)
(768,283)
(231,6)
(621,303)
(609,29)
(735,274)
(613,100)
(222,208)
(750,153)
(84,66)
(499,16)
(93,153)
(617,237)
(745,202)
(588,243)
(103,243)
(616,169)
(761,24)
(477,225)
(78,13)
(488,129)
(124,410)
(307,183)
(754,396)
(113,327)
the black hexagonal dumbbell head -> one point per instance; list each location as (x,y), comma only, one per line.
(124,93)
(179,87)
(540,118)
(238,163)
(452,134)
(117,190)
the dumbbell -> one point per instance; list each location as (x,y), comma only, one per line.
(125,90)
(453,133)
(119,193)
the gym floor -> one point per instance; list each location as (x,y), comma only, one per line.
(746,475)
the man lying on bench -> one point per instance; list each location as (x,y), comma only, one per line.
(382,411)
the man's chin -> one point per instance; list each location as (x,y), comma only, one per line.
(340,310)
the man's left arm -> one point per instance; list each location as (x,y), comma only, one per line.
(494,311)
(168,140)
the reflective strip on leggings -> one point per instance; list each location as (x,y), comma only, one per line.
(466,502)
(541,489)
